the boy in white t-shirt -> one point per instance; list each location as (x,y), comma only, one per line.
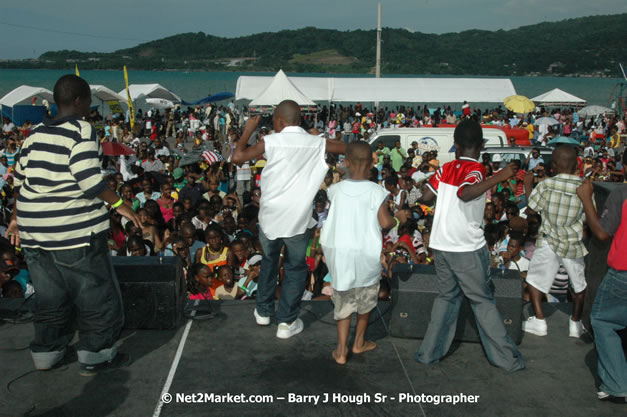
(351,241)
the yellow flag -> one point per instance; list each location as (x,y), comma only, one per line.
(131,110)
(78,74)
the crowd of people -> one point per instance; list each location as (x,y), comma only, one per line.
(207,210)
(180,205)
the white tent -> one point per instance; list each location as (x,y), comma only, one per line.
(279,89)
(106,94)
(150,91)
(557,97)
(409,90)
(316,88)
(23,94)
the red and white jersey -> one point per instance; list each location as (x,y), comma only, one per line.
(456,224)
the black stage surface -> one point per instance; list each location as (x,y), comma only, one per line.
(230,354)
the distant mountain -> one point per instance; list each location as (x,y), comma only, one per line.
(584,46)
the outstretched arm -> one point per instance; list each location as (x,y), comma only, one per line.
(470,192)
(336,146)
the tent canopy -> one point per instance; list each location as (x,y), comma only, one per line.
(279,89)
(410,90)
(151,91)
(557,97)
(25,93)
(106,94)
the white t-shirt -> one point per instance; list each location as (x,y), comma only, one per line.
(8,127)
(243,173)
(351,236)
(293,173)
(521,265)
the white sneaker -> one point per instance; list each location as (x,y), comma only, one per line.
(575,328)
(535,326)
(261,320)
(285,331)
(602,395)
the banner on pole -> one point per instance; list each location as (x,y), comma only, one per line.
(131,109)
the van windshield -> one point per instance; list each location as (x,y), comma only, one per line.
(388,141)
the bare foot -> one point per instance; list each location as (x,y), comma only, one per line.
(367,346)
(339,356)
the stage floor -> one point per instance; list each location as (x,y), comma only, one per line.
(230,358)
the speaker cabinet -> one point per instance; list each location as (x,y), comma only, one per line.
(153,291)
(415,287)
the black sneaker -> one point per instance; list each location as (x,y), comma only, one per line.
(604,396)
(120,360)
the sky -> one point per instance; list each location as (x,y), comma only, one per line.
(29,28)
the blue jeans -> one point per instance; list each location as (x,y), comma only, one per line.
(459,274)
(75,288)
(293,284)
(609,315)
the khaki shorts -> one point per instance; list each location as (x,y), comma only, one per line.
(359,300)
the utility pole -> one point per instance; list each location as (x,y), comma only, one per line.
(378,64)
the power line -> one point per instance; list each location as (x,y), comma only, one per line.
(87,35)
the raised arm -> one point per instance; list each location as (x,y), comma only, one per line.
(243,152)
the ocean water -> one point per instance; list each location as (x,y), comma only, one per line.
(192,86)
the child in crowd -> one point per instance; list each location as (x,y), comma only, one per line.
(351,241)
(166,202)
(240,255)
(199,282)
(248,284)
(213,183)
(398,196)
(181,249)
(203,218)
(126,192)
(228,290)
(215,252)
(512,257)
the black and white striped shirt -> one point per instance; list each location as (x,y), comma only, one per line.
(58,176)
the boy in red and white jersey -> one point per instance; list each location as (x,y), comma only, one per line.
(462,258)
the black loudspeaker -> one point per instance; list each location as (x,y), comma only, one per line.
(153,290)
(414,288)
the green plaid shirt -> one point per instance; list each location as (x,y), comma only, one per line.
(562,215)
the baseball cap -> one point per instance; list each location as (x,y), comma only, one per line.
(420,176)
(177,173)
(254,259)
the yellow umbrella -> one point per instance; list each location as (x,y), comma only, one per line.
(519,104)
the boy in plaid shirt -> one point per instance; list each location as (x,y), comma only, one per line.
(559,240)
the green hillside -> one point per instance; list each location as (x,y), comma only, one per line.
(585,46)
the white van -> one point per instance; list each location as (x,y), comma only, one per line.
(438,139)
